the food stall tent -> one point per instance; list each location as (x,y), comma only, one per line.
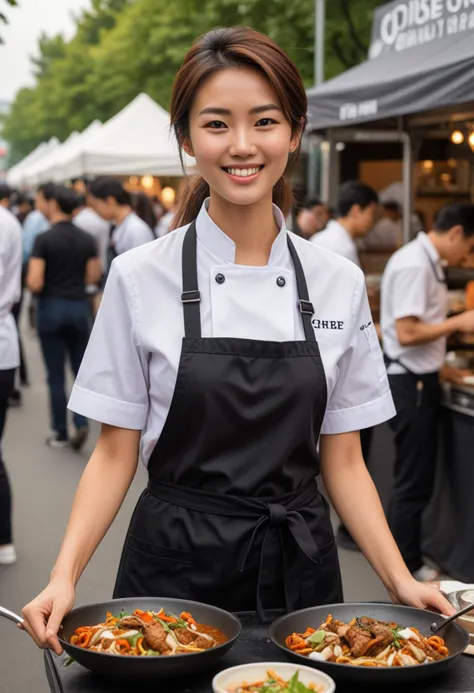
(40,171)
(136,141)
(54,168)
(417,81)
(16,173)
(419,64)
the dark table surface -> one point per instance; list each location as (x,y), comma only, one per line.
(253,646)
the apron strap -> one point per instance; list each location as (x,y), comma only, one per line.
(304,304)
(191,296)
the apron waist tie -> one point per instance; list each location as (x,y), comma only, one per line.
(269,515)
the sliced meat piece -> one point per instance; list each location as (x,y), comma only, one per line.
(383,638)
(378,645)
(155,637)
(106,643)
(203,643)
(185,636)
(131,622)
(358,640)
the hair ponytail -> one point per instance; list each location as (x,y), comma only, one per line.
(190,201)
(235,47)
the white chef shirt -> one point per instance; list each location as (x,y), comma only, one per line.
(131,233)
(11,257)
(336,238)
(412,287)
(88,220)
(129,371)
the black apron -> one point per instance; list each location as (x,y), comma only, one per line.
(232,514)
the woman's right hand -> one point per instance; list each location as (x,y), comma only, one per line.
(43,615)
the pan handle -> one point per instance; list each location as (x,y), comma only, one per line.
(6,613)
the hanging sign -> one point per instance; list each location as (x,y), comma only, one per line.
(404,24)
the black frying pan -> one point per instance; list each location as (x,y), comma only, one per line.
(455,637)
(148,667)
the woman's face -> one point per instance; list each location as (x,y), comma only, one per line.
(239,135)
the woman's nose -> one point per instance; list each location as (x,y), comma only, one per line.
(242,144)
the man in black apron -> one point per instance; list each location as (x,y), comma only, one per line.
(232,514)
(414,330)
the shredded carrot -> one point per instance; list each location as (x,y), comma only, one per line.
(122,644)
(167,619)
(144,615)
(328,620)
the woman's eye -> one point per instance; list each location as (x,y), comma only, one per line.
(266,121)
(216,125)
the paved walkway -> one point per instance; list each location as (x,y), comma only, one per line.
(44,483)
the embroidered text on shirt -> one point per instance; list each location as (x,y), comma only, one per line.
(327,324)
(364,327)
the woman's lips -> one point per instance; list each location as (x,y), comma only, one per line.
(243,174)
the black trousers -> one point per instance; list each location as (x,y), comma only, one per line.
(416,439)
(16,310)
(7,379)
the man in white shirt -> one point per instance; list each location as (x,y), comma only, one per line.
(112,202)
(414,331)
(88,220)
(356,215)
(10,290)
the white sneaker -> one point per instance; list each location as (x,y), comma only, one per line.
(7,555)
(426,574)
(53,442)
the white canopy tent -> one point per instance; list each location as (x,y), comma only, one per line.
(15,176)
(136,141)
(56,169)
(38,172)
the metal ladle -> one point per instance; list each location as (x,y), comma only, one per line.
(435,627)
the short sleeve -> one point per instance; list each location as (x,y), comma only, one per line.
(361,397)
(112,383)
(409,293)
(39,247)
(93,250)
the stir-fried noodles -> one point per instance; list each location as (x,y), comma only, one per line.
(367,642)
(147,634)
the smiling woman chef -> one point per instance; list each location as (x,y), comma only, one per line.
(228,418)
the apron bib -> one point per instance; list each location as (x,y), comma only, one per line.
(232,514)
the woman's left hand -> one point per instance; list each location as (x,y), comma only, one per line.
(414,593)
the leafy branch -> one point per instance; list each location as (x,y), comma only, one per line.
(3,16)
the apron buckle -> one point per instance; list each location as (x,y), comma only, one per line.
(191,297)
(306,307)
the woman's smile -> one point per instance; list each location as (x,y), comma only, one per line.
(243,174)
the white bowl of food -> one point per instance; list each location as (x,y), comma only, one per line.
(249,678)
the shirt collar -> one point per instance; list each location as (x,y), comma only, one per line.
(429,247)
(219,243)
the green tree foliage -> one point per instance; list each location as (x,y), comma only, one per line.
(123,47)
(3,16)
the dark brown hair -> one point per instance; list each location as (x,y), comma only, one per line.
(219,49)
